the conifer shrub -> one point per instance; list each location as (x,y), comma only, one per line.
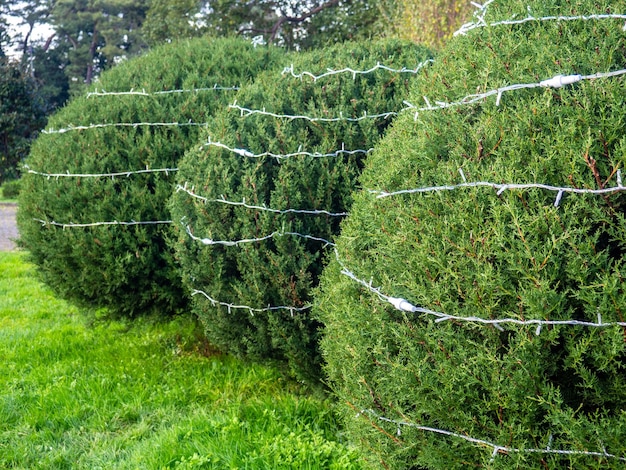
(417,384)
(127,268)
(223,261)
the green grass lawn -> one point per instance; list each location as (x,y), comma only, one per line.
(79,392)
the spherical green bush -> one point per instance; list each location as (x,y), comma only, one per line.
(127,268)
(269,260)
(469,377)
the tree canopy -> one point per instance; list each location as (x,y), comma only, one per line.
(99,32)
(21,115)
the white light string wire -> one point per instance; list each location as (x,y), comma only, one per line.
(123,124)
(497,449)
(404,305)
(501,187)
(300,153)
(354,73)
(167,171)
(480,21)
(133,92)
(557,81)
(276,234)
(251,310)
(242,152)
(97,224)
(249,112)
(223,200)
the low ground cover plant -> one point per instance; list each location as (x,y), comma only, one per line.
(259,202)
(78,390)
(142,115)
(11,189)
(439,381)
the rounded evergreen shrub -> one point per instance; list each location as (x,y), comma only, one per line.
(122,265)
(485,211)
(252,267)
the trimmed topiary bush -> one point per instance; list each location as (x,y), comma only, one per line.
(481,265)
(126,268)
(269,261)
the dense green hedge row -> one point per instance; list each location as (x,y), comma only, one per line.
(468,251)
(128,269)
(281,270)
(480,252)
(134,268)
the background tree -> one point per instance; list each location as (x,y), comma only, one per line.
(31,14)
(348,20)
(99,33)
(20,117)
(429,23)
(43,60)
(167,21)
(47,68)
(4,34)
(6,40)
(3,39)
(296,25)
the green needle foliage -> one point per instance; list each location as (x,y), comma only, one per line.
(128,269)
(479,252)
(281,270)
